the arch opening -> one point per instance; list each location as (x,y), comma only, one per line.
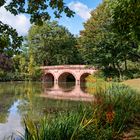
(66,81)
(49,79)
(83,77)
(66,77)
(83,81)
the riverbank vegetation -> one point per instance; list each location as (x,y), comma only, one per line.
(114,112)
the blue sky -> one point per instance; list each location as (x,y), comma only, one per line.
(82,10)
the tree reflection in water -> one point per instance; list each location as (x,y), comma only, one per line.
(19,99)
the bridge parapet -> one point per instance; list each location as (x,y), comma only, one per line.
(68,67)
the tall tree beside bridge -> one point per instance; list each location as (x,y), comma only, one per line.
(109,38)
(53,44)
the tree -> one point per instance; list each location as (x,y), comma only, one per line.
(9,45)
(52,44)
(126,22)
(9,38)
(31,65)
(95,38)
(128,11)
(22,65)
(108,48)
(38,11)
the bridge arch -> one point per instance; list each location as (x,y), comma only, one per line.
(49,77)
(66,77)
(67,81)
(83,77)
(83,81)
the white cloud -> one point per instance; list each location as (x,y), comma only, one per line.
(19,22)
(80,9)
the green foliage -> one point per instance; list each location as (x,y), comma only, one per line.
(126,16)
(110,39)
(119,96)
(52,44)
(9,39)
(37,75)
(2,74)
(22,65)
(68,126)
(31,66)
(22,71)
(38,11)
(11,76)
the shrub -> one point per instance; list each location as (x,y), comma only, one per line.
(37,74)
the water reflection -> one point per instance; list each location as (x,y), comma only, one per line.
(13,123)
(66,86)
(66,90)
(25,98)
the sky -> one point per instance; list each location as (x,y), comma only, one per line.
(82,9)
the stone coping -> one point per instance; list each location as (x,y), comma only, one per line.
(68,67)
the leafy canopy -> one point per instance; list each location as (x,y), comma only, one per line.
(52,44)
(38,11)
(111,35)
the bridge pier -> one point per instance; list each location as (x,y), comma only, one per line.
(77,82)
(56,81)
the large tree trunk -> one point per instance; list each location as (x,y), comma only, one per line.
(125,63)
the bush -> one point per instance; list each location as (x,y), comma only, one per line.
(37,74)
(17,76)
(12,76)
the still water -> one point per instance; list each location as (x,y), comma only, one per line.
(19,99)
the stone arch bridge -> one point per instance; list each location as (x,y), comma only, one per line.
(64,73)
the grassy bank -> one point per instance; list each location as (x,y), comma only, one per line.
(133,83)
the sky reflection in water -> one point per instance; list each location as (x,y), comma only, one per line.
(13,124)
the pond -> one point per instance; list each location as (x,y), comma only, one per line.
(19,99)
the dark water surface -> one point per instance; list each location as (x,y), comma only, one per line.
(18,99)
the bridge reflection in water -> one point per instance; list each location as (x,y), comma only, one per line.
(66,91)
(66,81)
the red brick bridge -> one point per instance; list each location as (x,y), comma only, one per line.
(67,73)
